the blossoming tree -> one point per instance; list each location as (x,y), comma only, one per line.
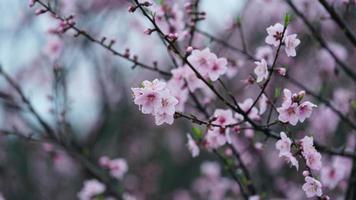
(265,106)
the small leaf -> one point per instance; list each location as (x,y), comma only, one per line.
(197,133)
(277,92)
(287,19)
(353,104)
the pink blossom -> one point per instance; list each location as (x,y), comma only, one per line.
(118,168)
(275,34)
(201,60)
(261,70)
(292,110)
(214,138)
(289,158)
(288,114)
(208,64)
(31,3)
(284,144)
(263,103)
(192,146)
(305,110)
(167,104)
(291,42)
(331,176)
(210,169)
(156,99)
(246,105)
(223,117)
(148,99)
(313,159)
(217,68)
(161,118)
(180,94)
(307,143)
(184,76)
(287,97)
(312,187)
(90,189)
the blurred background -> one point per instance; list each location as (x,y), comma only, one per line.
(82,88)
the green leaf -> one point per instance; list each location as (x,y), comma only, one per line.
(277,92)
(197,133)
(287,19)
(160,2)
(353,104)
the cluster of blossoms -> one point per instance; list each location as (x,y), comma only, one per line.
(284,147)
(156,99)
(208,64)
(310,154)
(91,189)
(312,187)
(292,109)
(276,36)
(117,167)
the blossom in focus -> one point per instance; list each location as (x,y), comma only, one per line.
(91,189)
(217,68)
(284,147)
(292,109)
(261,70)
(310,154)
(305,110)
(291,42)
(275,34)
(312,187)
(156,99)
(288,114)
(223,117)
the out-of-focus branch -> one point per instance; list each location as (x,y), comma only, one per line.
(101,42)
(316,34)
(27,102)
(339,21)
(69,147)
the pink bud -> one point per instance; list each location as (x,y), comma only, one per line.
(104,161)
(228,152)
(258,145)
(189,49)
(132,9)
(305,173)
(40,11)
(172,36)
(281,71)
